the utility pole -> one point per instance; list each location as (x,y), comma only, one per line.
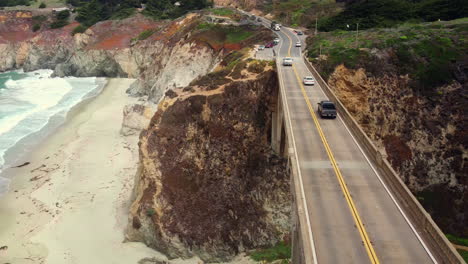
(357,34)
(316,25)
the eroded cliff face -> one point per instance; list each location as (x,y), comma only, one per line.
(424,137)
(169,58)
(209,184)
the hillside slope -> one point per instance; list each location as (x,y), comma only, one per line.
(407,87)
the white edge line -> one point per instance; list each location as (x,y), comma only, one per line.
(384,185)
(311,236)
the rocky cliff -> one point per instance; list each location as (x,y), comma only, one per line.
(170,57)
(425,138)
(209,184)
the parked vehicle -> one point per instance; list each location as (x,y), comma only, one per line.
(298,44)
(277,27)
(273,24)
(287,61)
(276,40)
(300,33)
(309,80)
(259,20)
(326,109)
(270,45)
(261,47)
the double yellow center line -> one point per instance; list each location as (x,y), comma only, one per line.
(357,219)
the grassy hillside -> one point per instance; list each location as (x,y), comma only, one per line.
(428,52)
(388,13)
(302,12)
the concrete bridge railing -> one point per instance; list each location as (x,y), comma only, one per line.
(282,141)
(437,243)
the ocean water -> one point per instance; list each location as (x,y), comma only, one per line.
(32,104)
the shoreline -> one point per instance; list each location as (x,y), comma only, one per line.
(25,146)
(68,205)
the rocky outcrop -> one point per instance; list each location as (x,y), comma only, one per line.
(169,58)
(423,136)
(175,54)
(136,117)
(209,184)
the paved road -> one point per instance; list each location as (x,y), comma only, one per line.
(352,216)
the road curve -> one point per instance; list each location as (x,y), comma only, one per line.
(352,215)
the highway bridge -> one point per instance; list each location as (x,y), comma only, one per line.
(350,206)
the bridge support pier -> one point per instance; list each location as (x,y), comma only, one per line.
(278,135)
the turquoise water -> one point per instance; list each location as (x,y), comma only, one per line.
(29,102)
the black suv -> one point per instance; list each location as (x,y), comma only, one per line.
(326,109)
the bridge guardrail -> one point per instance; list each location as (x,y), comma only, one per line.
(436,241)
(300,254)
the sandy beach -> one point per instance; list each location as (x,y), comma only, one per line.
(69,204)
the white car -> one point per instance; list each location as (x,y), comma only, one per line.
(298,44)
(261,47)
(287,61)
(309,80)
(276,40)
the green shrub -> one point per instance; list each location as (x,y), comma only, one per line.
(42,5)
(36,27)
(63,15)
(58,24)
(39,19)
(222,11)
(145,34)
(279,251)
(150,212)
(257,66)
(237,71)
(79,29)
(4,3)
(123,13)
(237,35)
(464,254)
(457,240)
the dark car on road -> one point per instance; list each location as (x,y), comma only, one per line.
(326,109)
(300,33)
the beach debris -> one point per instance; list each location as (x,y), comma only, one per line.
(35,178)
(22,165)
(152,261)
(4,248)
(42,166)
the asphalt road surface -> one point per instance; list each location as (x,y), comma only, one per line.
(353,217)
